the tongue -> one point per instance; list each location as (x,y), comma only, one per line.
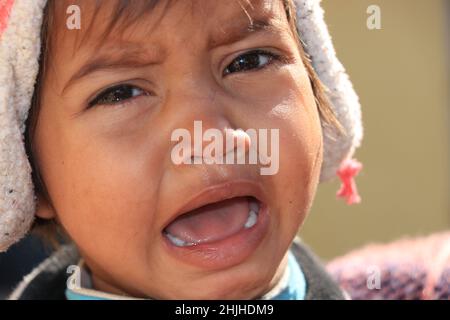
(211,222)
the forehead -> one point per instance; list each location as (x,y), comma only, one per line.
(127,19)
(124,33)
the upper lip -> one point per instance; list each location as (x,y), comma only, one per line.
(219,192)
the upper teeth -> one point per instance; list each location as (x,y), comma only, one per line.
(251,221)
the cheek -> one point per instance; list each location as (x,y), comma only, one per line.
(300,164)
(104,190)
(295,113)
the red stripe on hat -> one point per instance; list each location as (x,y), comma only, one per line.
(5,9)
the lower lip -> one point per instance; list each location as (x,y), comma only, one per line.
(224,253)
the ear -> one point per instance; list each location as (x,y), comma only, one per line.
(44,208)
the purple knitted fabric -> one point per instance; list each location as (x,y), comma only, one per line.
(407,269)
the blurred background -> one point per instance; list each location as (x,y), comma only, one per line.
(401,73)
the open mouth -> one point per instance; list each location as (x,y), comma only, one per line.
(213,222)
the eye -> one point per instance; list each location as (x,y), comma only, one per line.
(252,60)
(117,95)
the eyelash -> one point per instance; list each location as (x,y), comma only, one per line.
(238,60)
(128,88)
(125,88)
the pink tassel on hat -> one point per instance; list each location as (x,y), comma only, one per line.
(348,170)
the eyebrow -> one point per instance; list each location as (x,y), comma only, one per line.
(123,58)
(132,56)
(238,30)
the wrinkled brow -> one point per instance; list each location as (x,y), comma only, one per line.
(132,55)
(125,55)
(238,30)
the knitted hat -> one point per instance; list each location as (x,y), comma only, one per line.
(20,24)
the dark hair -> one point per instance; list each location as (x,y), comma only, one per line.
(125,12)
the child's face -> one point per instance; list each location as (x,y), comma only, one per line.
(108,167)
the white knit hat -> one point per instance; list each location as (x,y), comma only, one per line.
(20,24)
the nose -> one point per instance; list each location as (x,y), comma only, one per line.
(238,142)
(216,146)
(210,145)
(202,124)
